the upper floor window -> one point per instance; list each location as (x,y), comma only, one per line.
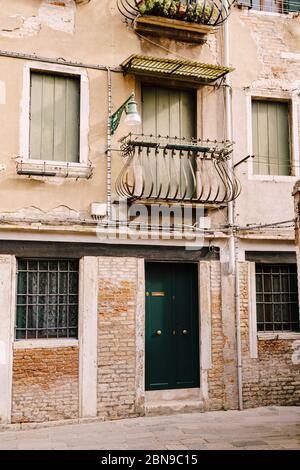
(54,117)
(277,297)
(169,112)
(271,142)
(274,6)
(47,298)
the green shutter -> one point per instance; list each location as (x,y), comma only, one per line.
(54,117)
(168,112)
(291,6)
(270,125)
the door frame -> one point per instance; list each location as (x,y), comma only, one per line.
(204,321)
(171,277)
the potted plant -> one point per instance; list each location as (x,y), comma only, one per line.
(180,9)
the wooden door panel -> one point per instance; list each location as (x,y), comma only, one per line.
(172,358)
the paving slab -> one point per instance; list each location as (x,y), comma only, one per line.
(256,429)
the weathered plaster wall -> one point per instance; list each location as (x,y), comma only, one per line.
(45,384)
(90,32)
(262,50)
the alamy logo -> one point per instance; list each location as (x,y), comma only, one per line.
(155,222)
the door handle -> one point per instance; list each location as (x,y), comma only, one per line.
(158,332)
(184,332)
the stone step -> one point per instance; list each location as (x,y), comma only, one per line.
(167,407)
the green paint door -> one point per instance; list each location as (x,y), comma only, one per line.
(172,329)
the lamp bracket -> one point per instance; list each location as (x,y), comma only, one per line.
(116,116)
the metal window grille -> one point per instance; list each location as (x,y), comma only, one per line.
(277,297)
(47,298)
(274,6)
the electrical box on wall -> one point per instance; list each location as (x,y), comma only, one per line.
(98,210)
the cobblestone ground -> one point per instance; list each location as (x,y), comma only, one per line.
(260,428)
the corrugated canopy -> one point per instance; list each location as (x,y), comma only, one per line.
(176,69)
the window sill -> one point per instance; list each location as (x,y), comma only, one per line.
(273,178)
(37,168)
(51,343)
(288,335)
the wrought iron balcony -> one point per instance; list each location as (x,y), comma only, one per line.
(164,169)
(187,20)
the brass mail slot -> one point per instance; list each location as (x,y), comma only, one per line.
(157,294)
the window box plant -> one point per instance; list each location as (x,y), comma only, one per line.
(183,20)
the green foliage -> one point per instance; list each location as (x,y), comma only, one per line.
(180,10)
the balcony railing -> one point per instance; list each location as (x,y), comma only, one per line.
(164,169)
(205,12)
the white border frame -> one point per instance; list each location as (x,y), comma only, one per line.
(84,113)
(293,125)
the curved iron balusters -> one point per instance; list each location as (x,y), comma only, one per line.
(195,172)
(214,12)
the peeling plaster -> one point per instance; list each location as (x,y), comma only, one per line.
(57,15)
(61,212)
(271,84)
(27,27)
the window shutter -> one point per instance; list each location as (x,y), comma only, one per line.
(168,112)
(291,6)
(55,117)
(270,126)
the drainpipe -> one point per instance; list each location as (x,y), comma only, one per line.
(233,248)
(108,151)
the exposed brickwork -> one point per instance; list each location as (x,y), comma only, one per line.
(116,337)
(215,374)
(45,385)
(272,378)
(273,36)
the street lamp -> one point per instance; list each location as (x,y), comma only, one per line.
(132,116)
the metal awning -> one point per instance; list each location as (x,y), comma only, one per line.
(175,69)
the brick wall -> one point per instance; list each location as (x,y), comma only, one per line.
(273,378)
(216,373)
(273,36)
(45,384)
(116,337)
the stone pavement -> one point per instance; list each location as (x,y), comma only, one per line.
(260,428)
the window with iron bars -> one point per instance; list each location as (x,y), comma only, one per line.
(47,298)
(273,6)
(277,297)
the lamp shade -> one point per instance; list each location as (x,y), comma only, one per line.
(132,116)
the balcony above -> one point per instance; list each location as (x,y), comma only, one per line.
(183,20)
(172,170)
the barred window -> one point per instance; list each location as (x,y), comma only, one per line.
(277,297)
(47,298)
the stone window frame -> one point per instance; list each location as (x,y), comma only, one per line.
(254,335)
(293,100)
(73,169)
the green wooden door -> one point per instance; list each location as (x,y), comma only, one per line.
(172,330)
